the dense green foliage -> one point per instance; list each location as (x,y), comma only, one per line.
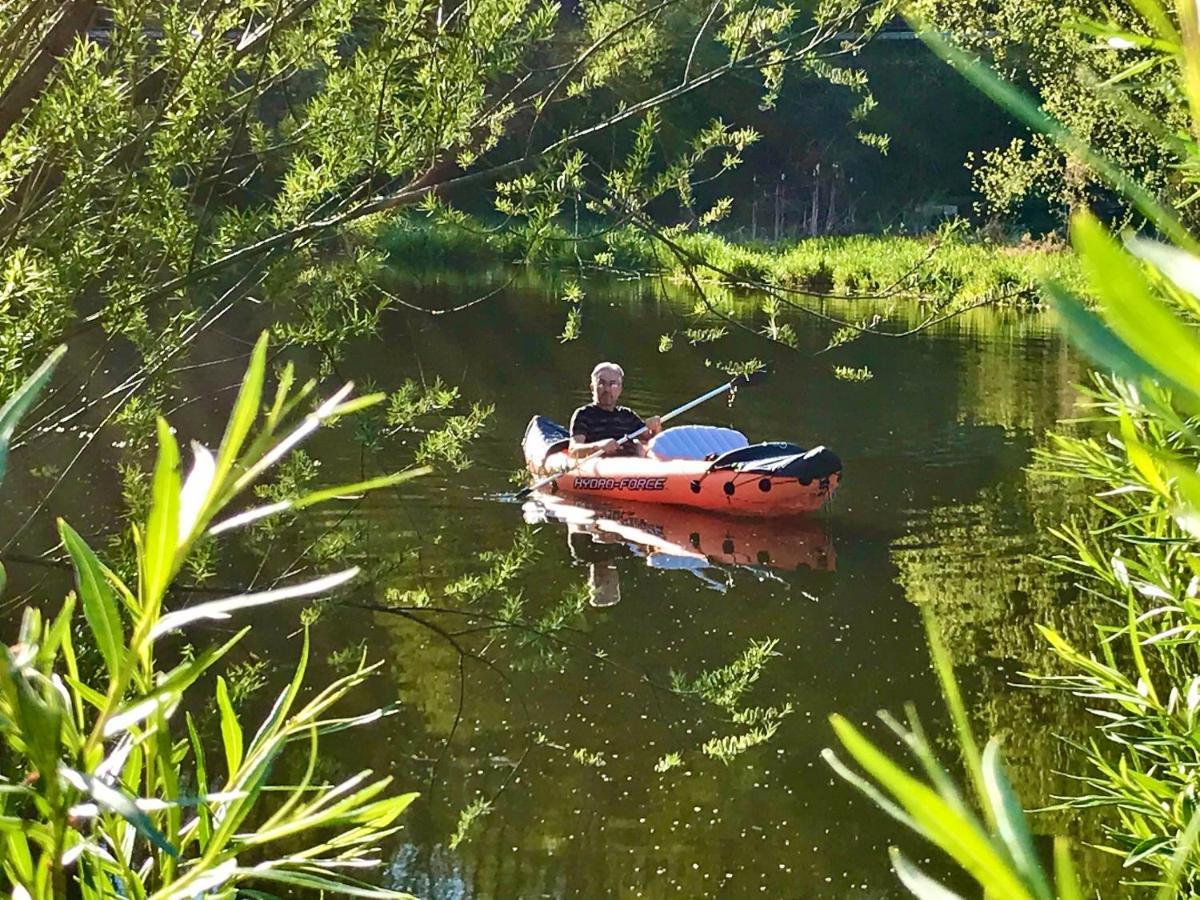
(1107,72)
(104,789)
(1137,553)
(177,158)
(947,268)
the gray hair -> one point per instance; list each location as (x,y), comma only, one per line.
(600,367)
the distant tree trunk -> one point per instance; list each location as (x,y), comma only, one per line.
(830,213)
(779,207)
(814,220)
(31,81)
(754,212)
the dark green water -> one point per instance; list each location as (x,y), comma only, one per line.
(559,721)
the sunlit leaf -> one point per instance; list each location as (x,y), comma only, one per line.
(917,882)
(245,410)
(320,882)
(1065,879)
(18,404)
(170,687)
(99,604)
(1095,339)
(1139,318)
(1179,266)
(196,489)
(1184,848)
(1010,821)
(198,755)
(231,730)
(1158,19)
(1141,458)
(331,493)
(310,424)
(162,528)
(220,609)
(957,835)
(113,799)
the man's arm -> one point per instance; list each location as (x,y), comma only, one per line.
(581,447)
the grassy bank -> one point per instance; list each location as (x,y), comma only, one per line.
(949,267)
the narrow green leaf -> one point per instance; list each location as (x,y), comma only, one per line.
(1135,642)
(220,609)
(1179,267)
(944,667)
(1139,318)
(868,790)
(113,799)
(99,603)
(19,856)
(352,406)
(162,527)
(1156,17)
(283,703)
(245,410)
(1010,821)
(18,404)
(88,694)
(281,391)
(231,731)
(1148,847)
(1189,57)
(169,689)
(959,836)
(1140,457)
(202,810)
(1093,337)
(60,629)
(360,487)
(336,886)
(257,513)
(1184,849)
(1066,881)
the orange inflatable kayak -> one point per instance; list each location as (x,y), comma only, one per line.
(692,465)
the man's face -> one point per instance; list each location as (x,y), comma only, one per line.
(606,388)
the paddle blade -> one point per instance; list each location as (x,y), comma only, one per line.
(752,378)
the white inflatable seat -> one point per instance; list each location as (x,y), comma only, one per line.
(695,442)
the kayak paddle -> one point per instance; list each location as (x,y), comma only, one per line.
(740,381)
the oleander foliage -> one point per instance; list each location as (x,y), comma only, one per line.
(106,786)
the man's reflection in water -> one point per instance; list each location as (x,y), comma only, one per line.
(604,582)
(601,553)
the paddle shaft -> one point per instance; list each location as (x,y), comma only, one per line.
(665,417)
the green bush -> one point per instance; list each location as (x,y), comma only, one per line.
(105,790)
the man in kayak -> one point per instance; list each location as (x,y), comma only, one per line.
(598,426)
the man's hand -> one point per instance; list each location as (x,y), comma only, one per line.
(609,447)
(653,425)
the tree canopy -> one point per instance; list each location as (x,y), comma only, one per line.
(161,161)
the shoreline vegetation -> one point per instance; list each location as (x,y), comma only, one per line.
(949,267)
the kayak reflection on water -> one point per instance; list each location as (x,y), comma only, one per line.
(669,537)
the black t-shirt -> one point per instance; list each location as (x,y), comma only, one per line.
(595,424)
